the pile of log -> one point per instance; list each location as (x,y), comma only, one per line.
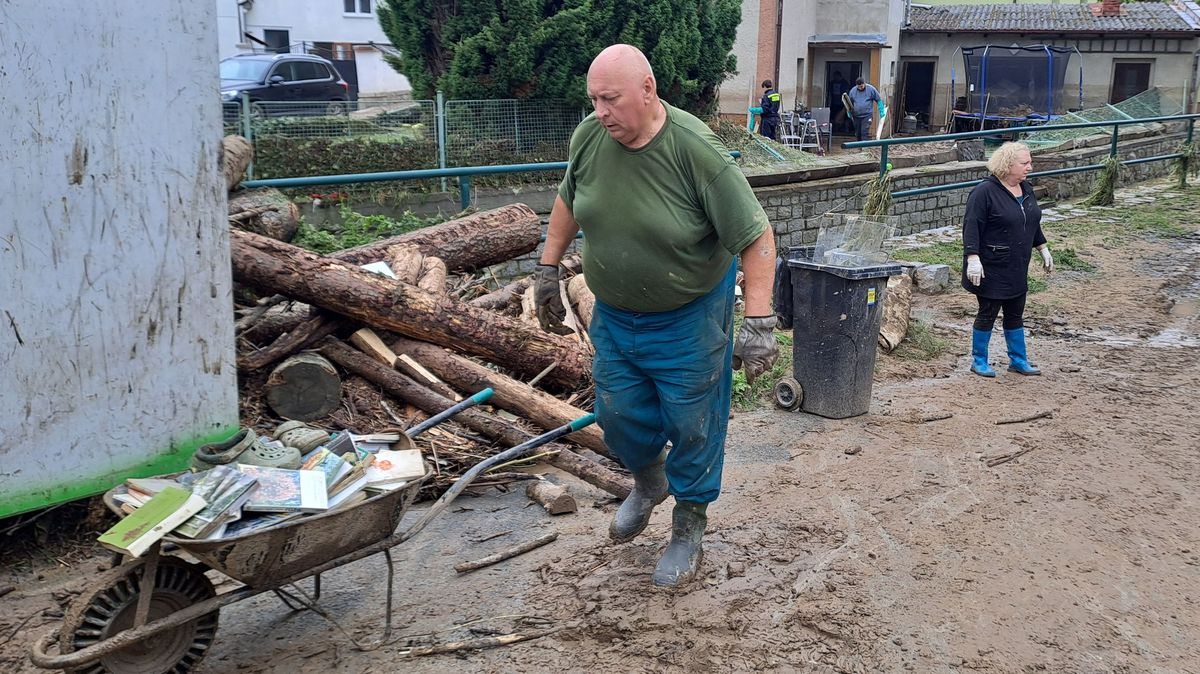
(379,348)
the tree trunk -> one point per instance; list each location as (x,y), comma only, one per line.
(519,398)
(236,155)
(471,242)
(277,320)
(400,386)
(433,275)
(582,298)
(383,303)
(264,211)
(304,388)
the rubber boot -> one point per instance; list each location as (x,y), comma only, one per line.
(979,353)
(682,557)
(649,489)
(1018,361)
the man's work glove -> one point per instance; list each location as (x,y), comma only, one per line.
(548,300)
(755,348)
(974,270)
(1047,259)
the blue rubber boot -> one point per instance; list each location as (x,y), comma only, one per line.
(1018,361)
(979,353)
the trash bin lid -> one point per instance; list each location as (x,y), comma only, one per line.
(851,273)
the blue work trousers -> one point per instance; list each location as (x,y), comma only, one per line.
(666,376)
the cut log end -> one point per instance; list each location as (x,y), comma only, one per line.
(554,498)
(304,388)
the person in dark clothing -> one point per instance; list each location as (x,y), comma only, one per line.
(839,85)
(769,126)
(1001,229)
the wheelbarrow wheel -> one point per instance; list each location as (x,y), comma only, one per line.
(108,606)
(788,394)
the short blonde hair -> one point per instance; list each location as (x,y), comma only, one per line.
(1003,158)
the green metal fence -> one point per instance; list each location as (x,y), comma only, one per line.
(884,143)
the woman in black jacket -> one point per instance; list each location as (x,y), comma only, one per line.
(1001,229)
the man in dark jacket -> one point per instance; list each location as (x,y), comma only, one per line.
(769,126)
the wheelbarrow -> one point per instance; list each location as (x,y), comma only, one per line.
(116,626)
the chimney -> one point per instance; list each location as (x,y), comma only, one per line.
(1110,8)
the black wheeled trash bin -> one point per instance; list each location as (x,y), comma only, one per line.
(834,313)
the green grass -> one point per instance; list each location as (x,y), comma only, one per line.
(920,343)
(356,230)
(748,397)
(1067,258)
(942,252)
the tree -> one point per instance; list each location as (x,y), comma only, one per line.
(541,49)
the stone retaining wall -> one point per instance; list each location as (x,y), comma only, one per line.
(794,208)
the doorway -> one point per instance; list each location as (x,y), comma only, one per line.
(916,93)
(839,77)
(1130,78)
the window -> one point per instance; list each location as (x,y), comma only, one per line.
(357,7)
(285,70)
(1129,79)
(306,70)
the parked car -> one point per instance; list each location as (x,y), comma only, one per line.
(283,84)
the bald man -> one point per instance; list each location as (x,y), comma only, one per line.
(664,212)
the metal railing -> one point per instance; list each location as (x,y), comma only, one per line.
(463,173)
(294,138)
(884,143)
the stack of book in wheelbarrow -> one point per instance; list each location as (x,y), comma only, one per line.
(231,499)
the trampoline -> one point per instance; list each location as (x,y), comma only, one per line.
(1013,86)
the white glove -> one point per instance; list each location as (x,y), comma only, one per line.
(1047,259)
(974,270)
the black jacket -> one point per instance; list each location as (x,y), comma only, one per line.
(1003,232)
(770,103)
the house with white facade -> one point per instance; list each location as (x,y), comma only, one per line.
(810,49)
(346,32)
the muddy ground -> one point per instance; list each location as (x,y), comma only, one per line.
(879,543)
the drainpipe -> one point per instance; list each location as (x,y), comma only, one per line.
(1189,93)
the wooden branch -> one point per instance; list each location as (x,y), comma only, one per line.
(521,399)
(302,337)
(401,386)
(476,644)
(499,299)
(1005,458)
(1048,414)
(383,303)
(506,554)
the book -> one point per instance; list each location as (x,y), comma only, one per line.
(169,508)
(329,463)
(347,490)
(149,485)
(341,443)
(255,522)
(226,489)
(395,465)
(357,470)
(286,490)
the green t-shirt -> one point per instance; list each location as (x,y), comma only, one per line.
(661,223)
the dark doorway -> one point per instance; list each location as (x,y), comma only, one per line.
(916,93)
(278,41)
(1129,79)
(839,77)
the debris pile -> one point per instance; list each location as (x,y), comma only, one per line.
(377,338)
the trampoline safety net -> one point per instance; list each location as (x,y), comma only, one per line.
(1016,82)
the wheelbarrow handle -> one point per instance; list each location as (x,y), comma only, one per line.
(482,396)
(507,455)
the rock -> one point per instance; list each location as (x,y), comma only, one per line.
(932,279)
(736,569)
(970,150)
